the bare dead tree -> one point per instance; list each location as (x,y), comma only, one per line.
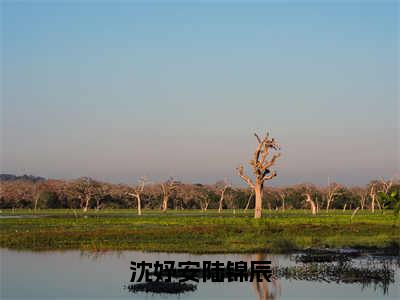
(331,192)
(282,195)
(137,192)
(204,202)
(231,200)
(203,197)
(261,169)
(167,188)
(36,197)
(225,185)
(386,185)
(375,188)
(317,204)
(312,204)
(104,189)
(362,193)
(372,194)
(85,189)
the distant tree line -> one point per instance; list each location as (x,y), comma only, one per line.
(86,193)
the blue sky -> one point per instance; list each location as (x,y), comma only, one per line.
(116,91)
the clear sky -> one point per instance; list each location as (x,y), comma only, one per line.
(116,91)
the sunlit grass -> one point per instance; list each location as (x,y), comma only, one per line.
(195,231)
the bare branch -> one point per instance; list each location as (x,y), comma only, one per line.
(257,137)
(133,195)
(272,175)
(240,172)
(261,165)
(271,162)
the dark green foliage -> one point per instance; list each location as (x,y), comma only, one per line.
(48,199)
(391,201)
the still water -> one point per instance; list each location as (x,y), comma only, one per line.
(83,275)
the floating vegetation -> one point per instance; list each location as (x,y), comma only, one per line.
(340,268)
(321,258)
(327,255)
(381,275)
(162,287)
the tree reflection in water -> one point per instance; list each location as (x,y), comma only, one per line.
(377,271)
(266,290)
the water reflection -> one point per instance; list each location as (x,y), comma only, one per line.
(267,290)
(101,254)
(336,268)
(84,275)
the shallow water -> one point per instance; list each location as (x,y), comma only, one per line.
(20,216)
(77,275)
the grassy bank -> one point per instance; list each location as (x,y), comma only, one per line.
(194,231)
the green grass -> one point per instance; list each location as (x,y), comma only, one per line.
(194,231)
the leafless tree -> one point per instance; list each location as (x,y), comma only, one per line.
(201,193)
(386,185)
(332,191)
(104,189)
(85,189)
(312,204)
(373,196)
(282,195)
(36,195)
(222,187)
(375,187)
(231,200)
(167,188)
(362,193)
(261,169)
(137,192)
(204,202)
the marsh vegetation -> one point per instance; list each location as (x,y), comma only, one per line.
(195,231)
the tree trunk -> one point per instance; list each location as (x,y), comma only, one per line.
(313,208)
(220,206)
(221,200)
(165,203)
(258,192)
(312,203)
(139,206)
(36,201)
(379,204)
(327,205)
(373,204)
(85,209)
